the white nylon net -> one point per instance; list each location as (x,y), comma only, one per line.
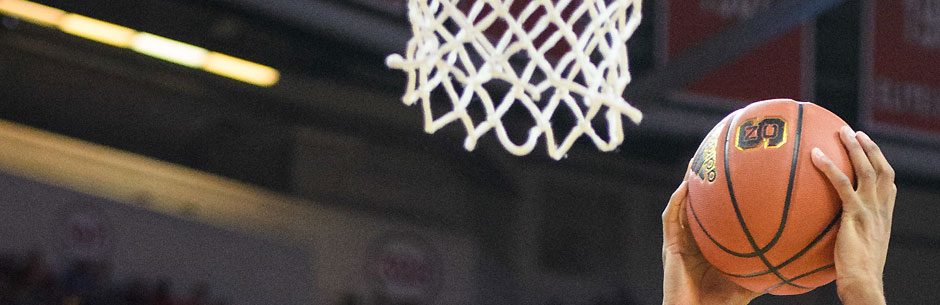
(451,50)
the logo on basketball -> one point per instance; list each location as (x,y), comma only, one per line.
(767,132)
(703,165)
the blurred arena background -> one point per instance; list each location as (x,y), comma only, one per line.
(277,165)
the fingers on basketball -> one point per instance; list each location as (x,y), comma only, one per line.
(839,180)
(864,172)
(882,168)
(672,214)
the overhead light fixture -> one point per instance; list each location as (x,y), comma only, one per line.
(144,43)
(97,30)
(169,50)
(241,69)
(32,12)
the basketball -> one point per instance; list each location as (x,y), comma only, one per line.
(758,209)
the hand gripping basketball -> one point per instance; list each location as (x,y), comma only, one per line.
(689,279)
(759,210)
(862,243)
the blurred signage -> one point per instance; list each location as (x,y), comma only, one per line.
(86,235)
(901,68)
(780,68)
(404,268)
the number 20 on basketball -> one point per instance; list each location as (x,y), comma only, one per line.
(766,132)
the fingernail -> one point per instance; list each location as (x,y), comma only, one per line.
(863,134)
(847,130)
(817,152)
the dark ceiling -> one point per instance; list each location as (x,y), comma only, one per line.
(117,98)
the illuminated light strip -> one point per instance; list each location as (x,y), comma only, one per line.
(32,12)
(169,50)
(241,69)
(100,31)
(145,43)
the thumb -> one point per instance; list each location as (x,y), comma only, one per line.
(672,214)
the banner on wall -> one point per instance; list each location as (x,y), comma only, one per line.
(781,68)
(901,69)
(404,268)
(86,233)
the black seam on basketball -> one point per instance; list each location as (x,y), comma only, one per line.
(699,222)
(797,135)
(719,245)
(777,285)
(819,237)
(737,209)
(786,202)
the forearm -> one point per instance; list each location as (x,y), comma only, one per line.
(868,292)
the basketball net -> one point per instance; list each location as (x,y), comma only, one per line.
(453,50)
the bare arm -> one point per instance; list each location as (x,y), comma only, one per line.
(688,279)
(862,242)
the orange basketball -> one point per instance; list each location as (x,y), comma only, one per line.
(758,209)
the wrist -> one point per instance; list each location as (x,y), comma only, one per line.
(854,291)
(742,297)
(745,297)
